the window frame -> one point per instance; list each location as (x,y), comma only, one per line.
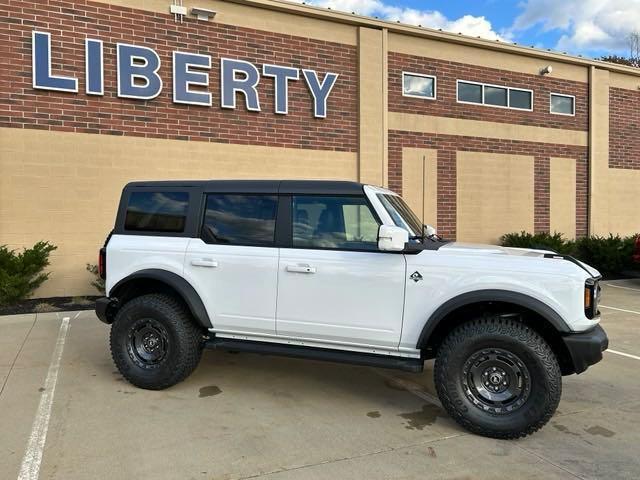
(505,87)
(289,227)
(423,75)
(203,216)
(566,95)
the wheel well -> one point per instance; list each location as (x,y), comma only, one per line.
(137,287)
(532,319)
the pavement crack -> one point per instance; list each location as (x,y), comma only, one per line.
(546,460)
(13,363)
(352,457)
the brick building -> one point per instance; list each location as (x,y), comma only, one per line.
(478,137)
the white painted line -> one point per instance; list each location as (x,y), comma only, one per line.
(619,309)
(414,388)
(623,354)
(30,469)
(620,286)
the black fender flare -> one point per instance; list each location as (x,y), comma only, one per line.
(174,281)
(520,299)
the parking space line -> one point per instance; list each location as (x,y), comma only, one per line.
(620,309)
(620,286)
(623,354)
(30,469)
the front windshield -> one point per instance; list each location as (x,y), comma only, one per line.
(401,214)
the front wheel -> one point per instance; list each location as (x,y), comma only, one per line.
(498,378)
(154,342)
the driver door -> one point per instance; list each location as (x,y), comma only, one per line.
(334,285)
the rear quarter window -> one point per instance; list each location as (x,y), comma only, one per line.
(157,211)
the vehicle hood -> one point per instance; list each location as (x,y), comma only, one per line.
(484,250)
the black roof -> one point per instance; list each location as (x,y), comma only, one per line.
(319,187)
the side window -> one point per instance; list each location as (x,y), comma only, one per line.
(236,219)
(157,211)
(345,223)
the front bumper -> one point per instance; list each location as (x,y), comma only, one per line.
(586,348)
(104,310)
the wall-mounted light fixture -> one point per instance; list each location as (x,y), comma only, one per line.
(203,13)
(178,10)
(546,70)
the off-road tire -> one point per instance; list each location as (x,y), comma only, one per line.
(505,334)
(182,341)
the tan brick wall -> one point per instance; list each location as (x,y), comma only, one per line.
(65,187)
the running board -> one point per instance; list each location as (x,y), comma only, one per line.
(414,365)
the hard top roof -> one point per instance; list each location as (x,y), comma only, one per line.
(318,187)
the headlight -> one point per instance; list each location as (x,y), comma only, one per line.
(591,298)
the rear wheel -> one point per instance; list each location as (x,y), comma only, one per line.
(154,342)
(498,378)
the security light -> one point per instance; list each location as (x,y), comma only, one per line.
(203,13)
(546,70)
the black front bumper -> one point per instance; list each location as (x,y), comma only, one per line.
(586,348)
(105,309)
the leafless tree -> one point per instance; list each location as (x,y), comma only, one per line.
(633,41)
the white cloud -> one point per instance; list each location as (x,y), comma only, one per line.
(467,25)
(585,24)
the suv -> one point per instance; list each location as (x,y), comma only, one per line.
(345,272)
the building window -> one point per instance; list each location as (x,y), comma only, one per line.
(418,85)
(232,219)
(495,95)
(157,212)
(563,104)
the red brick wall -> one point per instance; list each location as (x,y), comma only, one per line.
(448,145)
(446,103)
(70,22)
(624,128)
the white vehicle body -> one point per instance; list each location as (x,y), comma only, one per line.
(358,301)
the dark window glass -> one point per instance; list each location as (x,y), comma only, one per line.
(401,214)
(345,223)
(495,96)
(469,92)
(562,104)
(233,219)
(520,99)
(157,211)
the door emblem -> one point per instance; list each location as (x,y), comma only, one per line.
(415,276)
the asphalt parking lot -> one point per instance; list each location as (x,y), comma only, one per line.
(66,413)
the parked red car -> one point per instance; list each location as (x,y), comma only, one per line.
(636,250)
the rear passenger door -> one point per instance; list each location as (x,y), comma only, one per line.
(234,263)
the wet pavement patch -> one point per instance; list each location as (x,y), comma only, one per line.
(422,418)
(374,414)
(598,430)
(209,391)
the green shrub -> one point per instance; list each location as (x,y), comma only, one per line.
(98,282)
(540,241)
(22,273)
(610,255)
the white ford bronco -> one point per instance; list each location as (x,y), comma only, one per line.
(344,272)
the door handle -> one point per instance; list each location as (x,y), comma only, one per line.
(204,262)
(301,269)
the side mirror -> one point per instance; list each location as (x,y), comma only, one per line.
(392,238)
(430,231)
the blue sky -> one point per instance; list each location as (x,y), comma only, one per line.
(587,27)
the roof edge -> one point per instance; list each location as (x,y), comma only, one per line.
(412,30)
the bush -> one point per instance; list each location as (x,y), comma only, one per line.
(540,241)
(22,273)
(98,282)
(610,255)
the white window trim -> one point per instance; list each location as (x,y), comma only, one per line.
(422,97)
(504,87)
(573,97)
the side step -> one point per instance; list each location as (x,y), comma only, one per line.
(415,365)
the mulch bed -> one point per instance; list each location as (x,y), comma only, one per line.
(52,304)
